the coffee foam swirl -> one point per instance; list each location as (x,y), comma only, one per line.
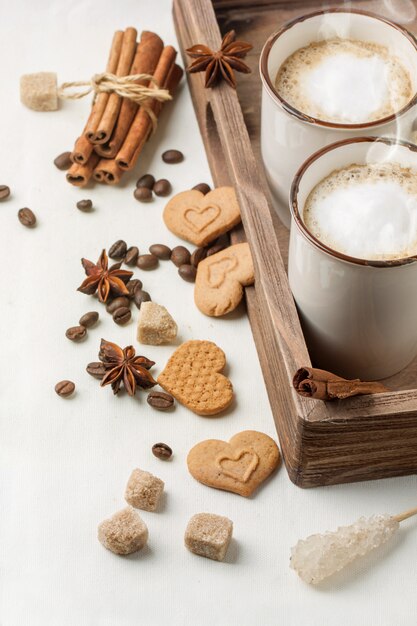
(366,211)
(344,81)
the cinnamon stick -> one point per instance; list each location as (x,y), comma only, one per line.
(79,174)
(82,150)
(146,58)
(107,171)
(312,382)
(142,125)
(173,80)
(102,98)
(83,146)
(108,119)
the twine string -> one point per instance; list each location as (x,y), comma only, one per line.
(123,86)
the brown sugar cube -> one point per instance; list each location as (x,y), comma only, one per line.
(123,533)
(143,490)
(155,325)
(39,91)
(209,535)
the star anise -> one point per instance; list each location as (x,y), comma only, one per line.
(104,279)
(221,64)
(122,365)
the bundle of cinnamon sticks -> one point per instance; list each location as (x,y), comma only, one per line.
(118,128)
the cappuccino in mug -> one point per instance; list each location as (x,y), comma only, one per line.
(344,81)
(366,211)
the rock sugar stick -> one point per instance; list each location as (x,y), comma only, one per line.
(322,555)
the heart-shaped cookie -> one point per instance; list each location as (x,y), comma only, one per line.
(221,278)
(192,376)
(201,218)
(239,466)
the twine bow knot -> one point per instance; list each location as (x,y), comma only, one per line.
(123,86)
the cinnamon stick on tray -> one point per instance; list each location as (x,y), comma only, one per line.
(108,119)
(142,124)
(146,58)
(311,382)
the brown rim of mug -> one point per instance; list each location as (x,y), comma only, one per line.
(263,69)
(303,228)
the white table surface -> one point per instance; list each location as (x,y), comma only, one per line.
(64,463)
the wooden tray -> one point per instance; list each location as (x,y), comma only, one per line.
(361,438)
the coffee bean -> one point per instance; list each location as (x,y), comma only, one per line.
(84,205)
(89,319)
(203,187)
(161,451)
(140,296)
(215,249)
(4,192)
(160,251)
(160,400)
(118,249)
(63,161)
(180,256)
(162,187)
(172,156)
(147,180)
(147,261)
(96,369)
(132,285)
(188,273)
(132,254)
(143,194)
(197,256)
(120,301)
(76,333)
(27,217)
(65,388)
(122,315)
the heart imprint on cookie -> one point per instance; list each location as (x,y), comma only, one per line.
(239,466)
(201,218)
(192,376)
(218,270)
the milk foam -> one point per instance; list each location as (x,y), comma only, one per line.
(345,81)
(366,211)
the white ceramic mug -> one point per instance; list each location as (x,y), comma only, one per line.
(359,317)
(287,135)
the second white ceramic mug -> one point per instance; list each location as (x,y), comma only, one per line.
(287,135)
(358,316)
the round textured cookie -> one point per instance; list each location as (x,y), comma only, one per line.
(240,465)
(192,376)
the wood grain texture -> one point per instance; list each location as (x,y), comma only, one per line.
(258,5)
(322,443)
